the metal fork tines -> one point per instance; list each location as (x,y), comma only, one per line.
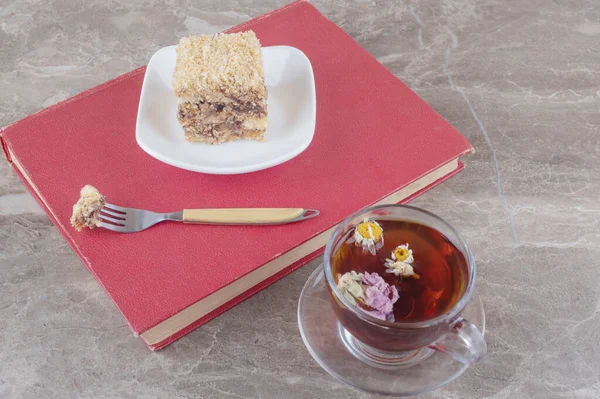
(129,220)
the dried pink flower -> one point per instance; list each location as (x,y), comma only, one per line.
(380,296)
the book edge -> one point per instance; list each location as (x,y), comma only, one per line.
(192,313)
(284,272)
(317,233)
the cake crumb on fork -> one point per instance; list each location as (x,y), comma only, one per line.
(86,211)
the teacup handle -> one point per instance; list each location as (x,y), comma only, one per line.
(463,342)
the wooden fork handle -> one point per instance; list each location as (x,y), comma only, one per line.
(246,215)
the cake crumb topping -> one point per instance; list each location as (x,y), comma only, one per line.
(228,64)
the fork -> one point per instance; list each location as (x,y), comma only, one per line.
(130,220)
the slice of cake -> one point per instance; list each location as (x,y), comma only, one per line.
(86,211)
(219,80)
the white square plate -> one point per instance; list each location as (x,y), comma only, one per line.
(291,116)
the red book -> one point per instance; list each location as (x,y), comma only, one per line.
(376,141)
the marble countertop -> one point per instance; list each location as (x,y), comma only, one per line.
(520,79)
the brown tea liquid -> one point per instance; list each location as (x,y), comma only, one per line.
(442,269)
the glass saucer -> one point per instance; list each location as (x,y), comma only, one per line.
(333,348)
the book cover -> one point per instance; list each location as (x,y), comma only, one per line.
(376,141)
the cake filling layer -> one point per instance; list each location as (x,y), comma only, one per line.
(219,112)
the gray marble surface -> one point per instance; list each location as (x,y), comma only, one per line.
(520,79)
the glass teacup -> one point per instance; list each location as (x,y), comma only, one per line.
(396,343)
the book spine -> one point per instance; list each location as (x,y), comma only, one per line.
(5,148)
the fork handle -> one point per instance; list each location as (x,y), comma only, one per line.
(247,215)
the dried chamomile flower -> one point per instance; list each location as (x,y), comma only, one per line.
(369,235)
(401,262)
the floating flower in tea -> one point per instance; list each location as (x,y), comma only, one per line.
(380,296)
(370,293)
(401,262)
(350,287)
(369,235)
(403,254)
